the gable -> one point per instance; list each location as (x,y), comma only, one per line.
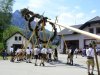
(16,33)
(92,21)
(81,26)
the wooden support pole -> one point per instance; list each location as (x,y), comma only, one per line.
(78,31)
(29,39)
(96,58)
(84,33)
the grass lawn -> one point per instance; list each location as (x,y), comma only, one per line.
(7,57)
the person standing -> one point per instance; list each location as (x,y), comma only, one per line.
(76,52)
(12,54)
(55,54)
(31,52)
(70,56)
(18,54)
(49,52)
(43,55)
(83,52)
(36,52)
(90,59)
(28,55)
(4,54)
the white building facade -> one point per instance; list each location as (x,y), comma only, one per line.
(17,40)
(71,38)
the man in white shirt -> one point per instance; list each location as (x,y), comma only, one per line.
(36,52)
(12,54)
(90,59)
(11,49)
(28,55)
(43,55)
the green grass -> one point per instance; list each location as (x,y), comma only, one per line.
(7,57)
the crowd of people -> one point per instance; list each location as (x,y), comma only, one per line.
(88,52)
(43,54)
(48,55)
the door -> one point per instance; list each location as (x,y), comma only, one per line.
(16,46)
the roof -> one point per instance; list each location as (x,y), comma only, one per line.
(92,21)
(68,31)
(81,26)
(16,33)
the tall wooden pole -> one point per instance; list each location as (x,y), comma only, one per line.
(78,31)
(96,58)
(84,33)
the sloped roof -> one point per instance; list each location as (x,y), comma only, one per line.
(81,26)
(92,21)
(68,31)
(16,33)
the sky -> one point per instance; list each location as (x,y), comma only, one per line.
(69,12)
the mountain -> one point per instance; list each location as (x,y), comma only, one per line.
(19,21)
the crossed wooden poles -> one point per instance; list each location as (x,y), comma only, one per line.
(97,37)
(87,34)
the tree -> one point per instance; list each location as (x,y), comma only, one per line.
(10,30)
(7,33)
(5,12)
(5,18)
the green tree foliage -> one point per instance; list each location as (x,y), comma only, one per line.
(5,18)
(5,12)
(9,31)
(1,47)
(6,34)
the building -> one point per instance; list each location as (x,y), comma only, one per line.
(71,38)
(17,40)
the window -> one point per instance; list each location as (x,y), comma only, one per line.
(98,30)
(16,38)
(91,30)
(19,38)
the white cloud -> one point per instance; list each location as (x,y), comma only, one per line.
(71,18)
(63,8)
(93,11)
(37,3)
(66,18)
(77,7)
(80,15)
